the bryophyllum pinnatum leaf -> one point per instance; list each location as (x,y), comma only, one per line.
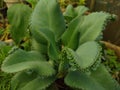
(48,35)
(18,17)
(48,15)
(70,37)
(39,83)
(22,78)
(29,80)
(93,25)
(40,47)
(102,76)
(87,55)
(81,80)
(22,60)
(47,25)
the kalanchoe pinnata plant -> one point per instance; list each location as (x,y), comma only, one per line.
(66,52)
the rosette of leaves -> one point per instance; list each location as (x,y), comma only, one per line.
(60,56)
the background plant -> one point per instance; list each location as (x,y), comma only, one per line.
(4,77)
(112,62)
(68,54)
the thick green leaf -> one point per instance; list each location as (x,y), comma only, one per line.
(70,37)
(88,54)
(20,79)
(18,17)
(39,42)
(48,15)
(98,80)
(102,76)
(21,60)
(82,81)
(41,47)
(29,80)
(92,26)
(49,39)
(39,83)
(47,26)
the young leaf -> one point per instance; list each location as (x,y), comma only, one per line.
(48,15)
(80,80)
(70,37)
(18,17)
(21,60)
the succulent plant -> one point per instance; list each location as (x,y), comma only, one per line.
(65,46)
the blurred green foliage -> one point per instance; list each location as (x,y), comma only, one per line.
(4,77)
(112,62)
